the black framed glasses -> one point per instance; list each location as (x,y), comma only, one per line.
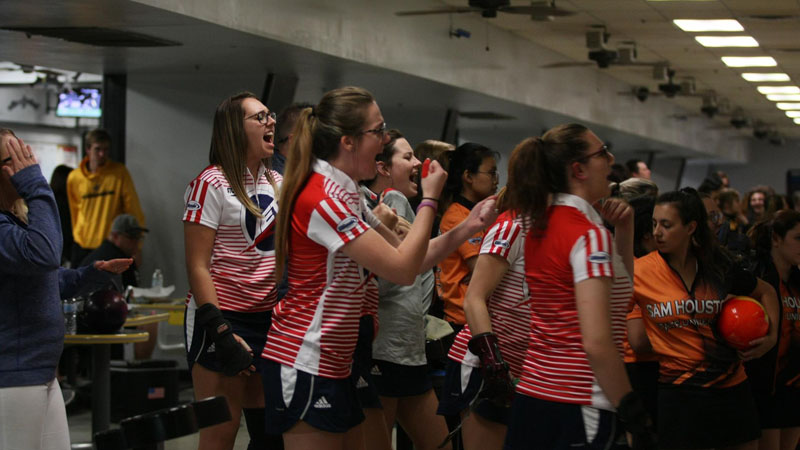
(262,116)
(604,152)
(379,132)
(5,161)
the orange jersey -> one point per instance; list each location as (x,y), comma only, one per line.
(453,270)
(790,317)
(679,324)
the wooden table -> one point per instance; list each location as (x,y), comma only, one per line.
(145,319)
(101,371)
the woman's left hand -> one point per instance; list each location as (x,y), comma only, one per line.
(21,156)
(758,347)
(116,266)
(482,215)
(617,212)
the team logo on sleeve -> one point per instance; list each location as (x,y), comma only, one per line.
(192,205)
(502,243)
(347,224)
(599,258)
(261,232)
(475,240)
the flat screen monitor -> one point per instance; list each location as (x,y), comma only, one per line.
(79,102)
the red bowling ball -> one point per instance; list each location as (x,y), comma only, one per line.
(105,311)
(741,320)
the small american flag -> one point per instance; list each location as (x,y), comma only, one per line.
(154,393)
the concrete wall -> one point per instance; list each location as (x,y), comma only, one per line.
(768,165)
(359,30)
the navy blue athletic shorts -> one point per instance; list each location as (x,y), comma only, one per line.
(252,327)
(538,424)
(361,371)
(291,395)
(398,380)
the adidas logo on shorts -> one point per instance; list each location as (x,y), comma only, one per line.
(375,371)
(211,348)
(361,383)
(322,403)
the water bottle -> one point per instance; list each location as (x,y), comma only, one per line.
(158,279)
(70,315)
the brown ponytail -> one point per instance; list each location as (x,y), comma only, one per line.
(317,133)
(538,168)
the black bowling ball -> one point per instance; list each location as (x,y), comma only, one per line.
(104,312)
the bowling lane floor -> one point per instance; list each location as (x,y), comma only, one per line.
(80,429)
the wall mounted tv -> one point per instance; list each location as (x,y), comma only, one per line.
(79,102)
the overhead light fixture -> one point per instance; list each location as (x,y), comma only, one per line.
(17,77)
(779,90)
(751,76)
(783,97)
(793,114)
(694,25)
(797,121)
(749,61)
(726,41)
(788,106)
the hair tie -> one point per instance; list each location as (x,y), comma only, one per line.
(313,113)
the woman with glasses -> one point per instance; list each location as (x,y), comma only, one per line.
(704,398)
(775,377)
(472,178)
(229,223)
(572,378)
(334,247)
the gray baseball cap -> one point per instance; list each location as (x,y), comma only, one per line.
(127,224)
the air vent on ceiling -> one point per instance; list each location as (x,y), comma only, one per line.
(484,115)
(97,36)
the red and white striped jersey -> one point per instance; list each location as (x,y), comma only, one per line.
(315,327)
(243,256)
(508,305)
(574,247)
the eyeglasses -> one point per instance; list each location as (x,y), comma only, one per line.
(379,132)
(5,161)
(491,173)
(261,117)
(604,152)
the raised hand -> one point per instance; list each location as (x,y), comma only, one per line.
(21,156)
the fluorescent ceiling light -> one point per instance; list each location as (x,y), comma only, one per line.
(788,106)
(765,76)
(797,121)
(693,25)
(749,61)
(783,97)
(17,77)
(779,89)
(726,41)
(793,114)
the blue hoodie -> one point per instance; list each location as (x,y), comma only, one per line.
(32,285)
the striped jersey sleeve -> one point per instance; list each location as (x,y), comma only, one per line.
(333,224)
(203,201)
(591,255)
